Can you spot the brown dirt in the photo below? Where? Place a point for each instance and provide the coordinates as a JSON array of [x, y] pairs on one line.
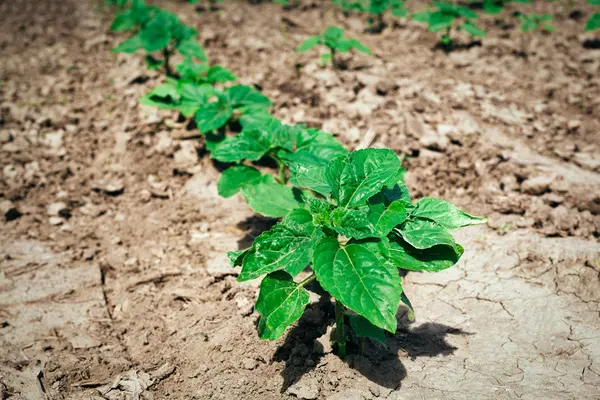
[[124, 291]]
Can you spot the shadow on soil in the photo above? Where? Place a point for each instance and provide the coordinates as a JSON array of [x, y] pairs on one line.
[[301, 351]]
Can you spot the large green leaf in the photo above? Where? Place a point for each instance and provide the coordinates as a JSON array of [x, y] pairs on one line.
[[157, 35], [233, 178], [287, 246], [313, 178], [320, 210], [363, 328], [353, 223], [364, 173], [249, 145], [213, 115], [191, 48], [271, 199], [280, 303], [434, 259], [243, 96], [193, 97], [445, 214], [423, 233], [385, 217], [255, 118], [356, 277], [318, 150]]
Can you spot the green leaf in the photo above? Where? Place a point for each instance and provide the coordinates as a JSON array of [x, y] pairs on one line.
[[356, 277], [434, 259], [123, 22], [188, 70], [422, 16], [320, 210], [213, 115], [156, 35], [220, 74], [130, 45], [194, 97], [309, 43], [593, 23], [237, 257], [594, 2], [355, 44], [363, 174], [445, 214], [465, 12], [423, 233], [191, 48], [242, 96], [255, 118], [353, 223], [333, 34], [439, 21], [163, 96], [319, 150], [280, 303], [233, 178], [384, 217], [249, 145], [472, 29], [326, 58], [288, 246], [363, 328], [271, 199], [313, 178], [406, 301], [152, 63]]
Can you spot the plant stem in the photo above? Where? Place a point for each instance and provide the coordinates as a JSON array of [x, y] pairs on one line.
[[339, 327], [167, 55], [307, 280], [333, 57], [282, 177]]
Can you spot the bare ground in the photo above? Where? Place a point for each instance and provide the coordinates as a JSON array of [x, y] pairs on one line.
[[123, 291]]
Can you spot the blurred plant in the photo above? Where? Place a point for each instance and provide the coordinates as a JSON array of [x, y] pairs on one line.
[[333, 38], [156, 30], [496, 6], [443, 18], [593, 22]]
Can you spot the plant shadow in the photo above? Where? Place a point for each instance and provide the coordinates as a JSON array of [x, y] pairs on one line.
[[380, 364], [448, 48], [254, 226]]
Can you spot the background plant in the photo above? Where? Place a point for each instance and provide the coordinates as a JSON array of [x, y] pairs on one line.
[[356, 236], [496, 6], [593, 22], [444, 17], [333, 38], [156, 30]]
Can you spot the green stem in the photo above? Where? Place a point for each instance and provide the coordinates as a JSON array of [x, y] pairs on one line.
[[167, 55], [282, 177], [339, 326], [307, 280], [333, 57]]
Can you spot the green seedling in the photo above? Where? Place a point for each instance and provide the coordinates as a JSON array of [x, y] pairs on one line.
[[532, 23], [593, 22], [348, 6], [288, 146], [377, 9], [356, 236], [157, 30], [333, 38], [496, 6], [212, 108], [444, 17]]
